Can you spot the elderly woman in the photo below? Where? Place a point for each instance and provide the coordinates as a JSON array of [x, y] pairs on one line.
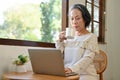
[[79, 52]]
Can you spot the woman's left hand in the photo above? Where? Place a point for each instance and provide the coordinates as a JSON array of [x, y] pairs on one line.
[[68, 70]]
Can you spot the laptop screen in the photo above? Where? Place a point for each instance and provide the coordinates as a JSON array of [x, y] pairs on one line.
[[47, 61]]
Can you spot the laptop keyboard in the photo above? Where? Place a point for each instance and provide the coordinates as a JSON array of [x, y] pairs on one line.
[[71, 74]]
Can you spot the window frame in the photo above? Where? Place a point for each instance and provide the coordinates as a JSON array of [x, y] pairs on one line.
[[15, 42], [101, 37]]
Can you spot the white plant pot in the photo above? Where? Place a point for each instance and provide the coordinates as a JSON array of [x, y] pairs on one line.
[[21, 68]]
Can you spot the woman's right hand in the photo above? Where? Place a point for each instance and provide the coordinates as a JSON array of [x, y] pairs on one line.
[[62, 36]]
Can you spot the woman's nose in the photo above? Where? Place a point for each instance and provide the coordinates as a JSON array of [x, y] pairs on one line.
[[74, 21]]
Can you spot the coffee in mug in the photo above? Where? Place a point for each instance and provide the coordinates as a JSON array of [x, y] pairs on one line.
[[69, 33]]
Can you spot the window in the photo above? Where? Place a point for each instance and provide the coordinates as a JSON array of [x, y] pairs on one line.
[[97, 25], [38, 19]]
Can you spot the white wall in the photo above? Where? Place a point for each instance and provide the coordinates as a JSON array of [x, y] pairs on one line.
[[71, 2], [112, 37], [7, 53], [112, 48]]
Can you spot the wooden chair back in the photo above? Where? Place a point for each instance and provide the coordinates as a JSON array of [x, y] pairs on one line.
[[100, 63]]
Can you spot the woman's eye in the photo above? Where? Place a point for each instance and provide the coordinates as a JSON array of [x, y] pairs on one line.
[[77, 18], [71, 18]]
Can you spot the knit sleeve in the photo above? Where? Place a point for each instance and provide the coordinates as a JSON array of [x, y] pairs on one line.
[[92, 44], [60, 45]]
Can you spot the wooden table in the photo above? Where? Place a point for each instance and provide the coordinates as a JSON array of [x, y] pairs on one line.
[[31, 76]]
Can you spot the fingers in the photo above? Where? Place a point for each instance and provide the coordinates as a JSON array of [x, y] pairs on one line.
[[62, 36], [68, 70]]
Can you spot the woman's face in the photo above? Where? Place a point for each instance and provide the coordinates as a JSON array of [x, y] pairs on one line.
[[77, 20]]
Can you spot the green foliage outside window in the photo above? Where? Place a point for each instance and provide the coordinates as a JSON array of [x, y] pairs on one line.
[[35, 22], [50, 19]]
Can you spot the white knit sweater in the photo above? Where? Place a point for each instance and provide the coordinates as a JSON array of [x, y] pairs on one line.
[[79, 53]]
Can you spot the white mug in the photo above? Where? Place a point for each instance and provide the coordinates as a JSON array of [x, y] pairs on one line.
[[69, 33]]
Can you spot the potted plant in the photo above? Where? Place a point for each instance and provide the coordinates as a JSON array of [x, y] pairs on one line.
[[20, 63]]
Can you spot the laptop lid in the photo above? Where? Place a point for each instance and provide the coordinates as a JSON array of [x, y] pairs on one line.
[[47, 61]]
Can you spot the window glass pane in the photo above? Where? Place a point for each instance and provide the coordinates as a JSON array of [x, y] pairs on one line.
[[96, 2], [35, 20], [89, 7], [96, 28], [96, 13]]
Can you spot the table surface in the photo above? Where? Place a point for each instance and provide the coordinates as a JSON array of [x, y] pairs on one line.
[[31, 76]]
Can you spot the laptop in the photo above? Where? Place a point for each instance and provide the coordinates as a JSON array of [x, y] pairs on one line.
[[47, 61]]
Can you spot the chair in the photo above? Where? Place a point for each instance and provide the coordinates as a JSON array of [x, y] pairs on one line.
[[100, 63]]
